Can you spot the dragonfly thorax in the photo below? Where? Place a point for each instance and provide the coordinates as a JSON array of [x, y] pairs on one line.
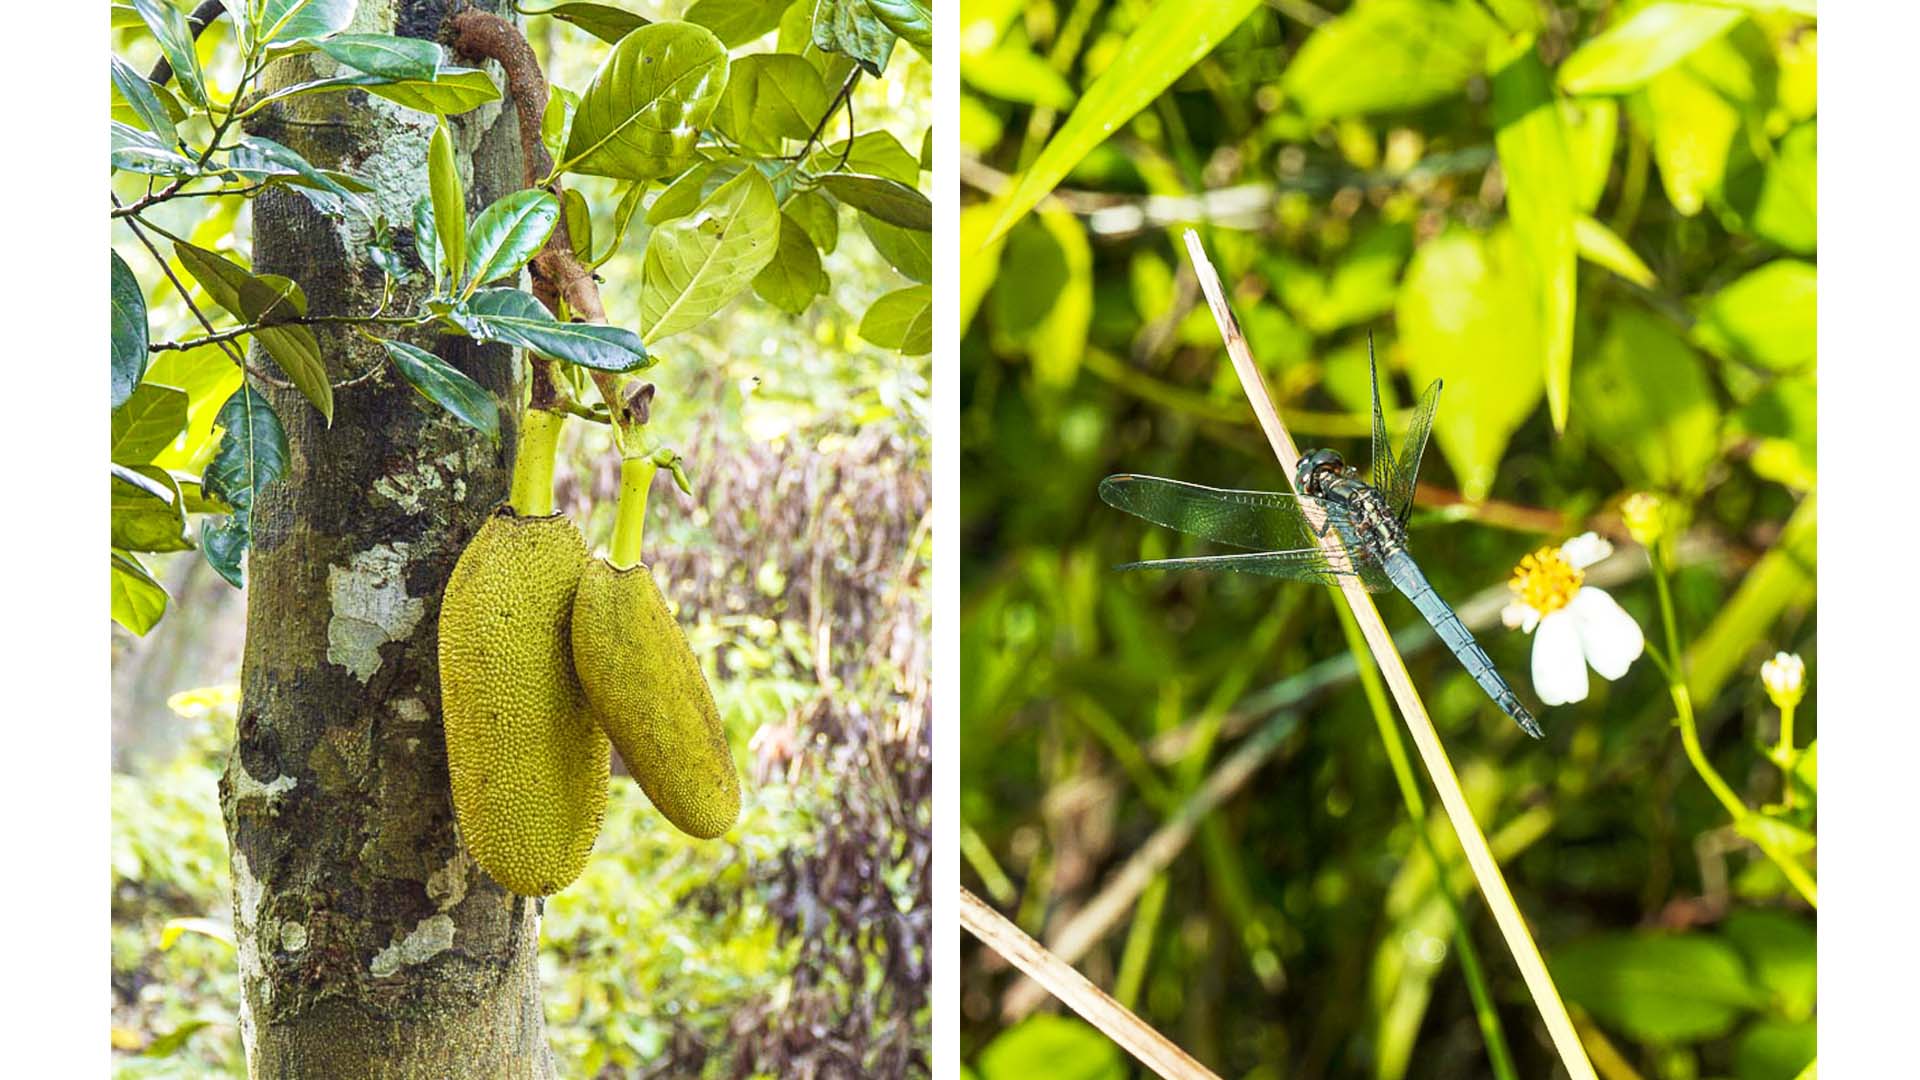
[[1317, 469]]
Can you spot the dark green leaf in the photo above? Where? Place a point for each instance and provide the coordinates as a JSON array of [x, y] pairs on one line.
[[909, 251], [643, 113], [252, 453], [145, 105], [1782, 952], [853, 29], [889, 200], [169, 28], [449, 203], [283, 22], [224, 543], [384, 55], [426, 241], [445, 385], [266, 300], [509, 232], [696, 264], [133, 150], [1659, 988], [911, 20], [603, 21], [146, 511], [794, 277], [901, 320], [128, 333], [261, 159], [516, 318], [1648, 403], [736, 22], [152, 417], [770, 97], [138, 600], [1775, 1050]]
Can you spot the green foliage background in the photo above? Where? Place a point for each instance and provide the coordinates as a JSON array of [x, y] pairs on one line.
[[1595, 221], [808, 445]]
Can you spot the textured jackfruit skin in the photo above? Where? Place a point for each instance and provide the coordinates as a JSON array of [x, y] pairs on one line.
[[529, 766], [650, 697]]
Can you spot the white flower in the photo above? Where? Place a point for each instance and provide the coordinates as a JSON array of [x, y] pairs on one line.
[[1785, 677], [1577, 625]]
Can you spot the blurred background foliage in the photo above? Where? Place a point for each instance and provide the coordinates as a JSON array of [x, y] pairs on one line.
[[1596, 221], [799, 569]]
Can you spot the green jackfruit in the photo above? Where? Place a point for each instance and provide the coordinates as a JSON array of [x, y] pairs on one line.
[[650, 697], [528, 765]]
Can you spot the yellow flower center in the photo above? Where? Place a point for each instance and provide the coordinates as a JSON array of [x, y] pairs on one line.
[[1545, 581]]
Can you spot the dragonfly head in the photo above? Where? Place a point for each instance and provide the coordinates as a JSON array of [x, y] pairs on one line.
[[1317, 465]]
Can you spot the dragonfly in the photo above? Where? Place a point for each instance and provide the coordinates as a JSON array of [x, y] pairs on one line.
[[1339, 528]]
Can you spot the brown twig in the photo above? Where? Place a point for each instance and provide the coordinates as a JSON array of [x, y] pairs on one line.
[[561, 281]]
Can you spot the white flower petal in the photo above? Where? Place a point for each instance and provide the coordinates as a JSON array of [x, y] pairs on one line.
[[1559, 668], [1609, 637], [1519, 616], [1584, 550]]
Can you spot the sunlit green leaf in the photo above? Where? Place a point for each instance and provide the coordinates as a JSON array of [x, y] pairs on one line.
[[260, 159], [696, 264], [508, 233], [449, 203], [266, 299], [1013, 73], [138, 600], [1603, 247], [736, 22], [1646, 401], [642, 114], [1060, 1047], [577, 217], [604, 21], [1657, 987], [794, 277], [146, 511], [1388, 55], [384, 55], [1056, 344], [128, 331], [1777, 198], [1170, 39], [681, 197], [909, 251], [911, 20], [446, 386], [1693, 127], [874, 153], [901, 320], [1540, 194], [145, 105], [818, 216], [1469, 314], [1765, 317], [853, 28], [283, 22], [450, 92], [152, 417], [770, 97], [1648, 42]]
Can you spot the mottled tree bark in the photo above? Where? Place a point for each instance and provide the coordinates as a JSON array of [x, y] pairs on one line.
[[369, 944]]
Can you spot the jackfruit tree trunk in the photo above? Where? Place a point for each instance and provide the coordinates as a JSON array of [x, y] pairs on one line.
[[369, 944]]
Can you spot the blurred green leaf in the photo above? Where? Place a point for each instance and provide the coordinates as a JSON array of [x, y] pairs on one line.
[[1784, 576], [696, 265], [138, 600], [1693, 128], [1766, 317], [1361, 286], [1657, 987], [1056, 1047], [1646, 401], [1647, 43], [1468, 314], [1540, 201], [1777, 199], [980, 257], [1389, 55], [1775, 1050], [1012, 72], [1170, 39], [1592, 126], [641, 116], [1783, 953], [127, 331], [1603, 247]]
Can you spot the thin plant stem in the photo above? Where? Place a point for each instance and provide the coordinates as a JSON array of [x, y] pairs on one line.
[[1486, 870], [1499, 1056], [1133, 1034], [1785, 755], [1745, 821]]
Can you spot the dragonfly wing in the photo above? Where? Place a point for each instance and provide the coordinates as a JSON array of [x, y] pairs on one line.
[[1305, 564], [1407, 466], [1383, 472], [1259, 521]]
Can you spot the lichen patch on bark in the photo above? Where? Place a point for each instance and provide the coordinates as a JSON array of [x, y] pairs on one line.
[[370, 608], [433, 936], [246, 788]]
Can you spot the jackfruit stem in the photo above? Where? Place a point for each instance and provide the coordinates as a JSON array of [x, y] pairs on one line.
[[630, 517], [531, 494]]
